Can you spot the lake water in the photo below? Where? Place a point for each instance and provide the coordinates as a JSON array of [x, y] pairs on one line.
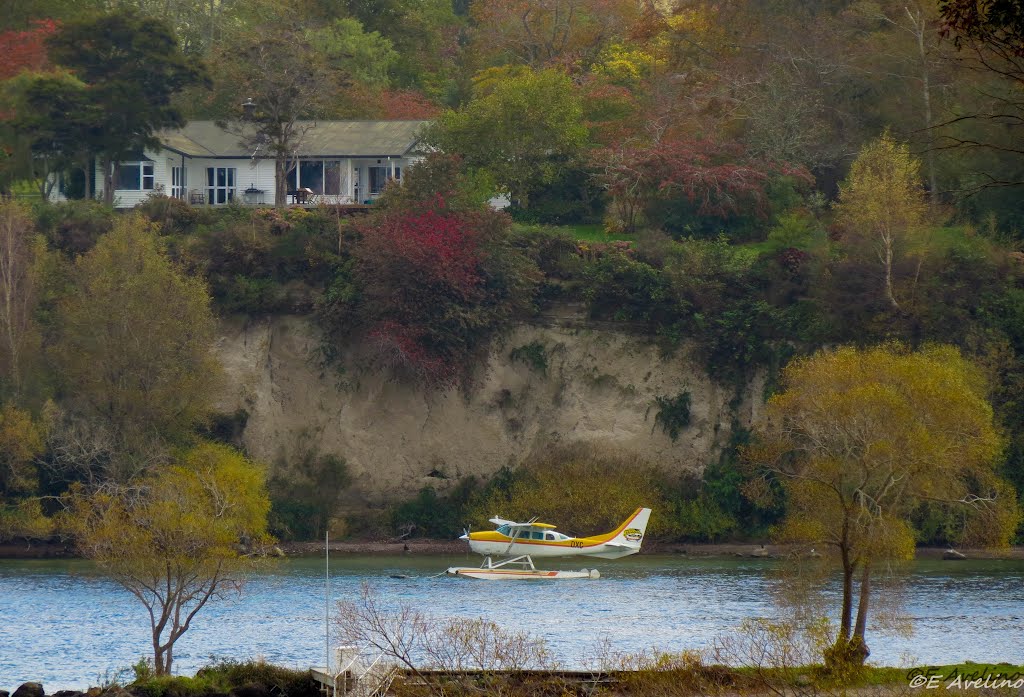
[[65, 626]]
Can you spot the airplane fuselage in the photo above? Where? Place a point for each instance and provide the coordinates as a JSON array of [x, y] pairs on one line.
[[540, 540], [574, 546]]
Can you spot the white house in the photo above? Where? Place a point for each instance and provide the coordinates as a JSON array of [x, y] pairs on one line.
[[204, 164]]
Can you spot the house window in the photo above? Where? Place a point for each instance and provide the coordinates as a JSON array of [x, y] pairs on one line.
[[378, 178], [179, 182], [319, 176], [220, 184], [332, 178], [311, 175], [135, 176]]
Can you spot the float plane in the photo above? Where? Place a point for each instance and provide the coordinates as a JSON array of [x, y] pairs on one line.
[[520, 542]]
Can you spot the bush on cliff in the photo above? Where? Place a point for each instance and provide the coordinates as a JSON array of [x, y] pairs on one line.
[[431, 281], [226, 676], [584, 488]]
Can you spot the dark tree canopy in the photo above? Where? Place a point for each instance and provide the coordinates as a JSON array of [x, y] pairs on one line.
[[994, 21], [132, 67]]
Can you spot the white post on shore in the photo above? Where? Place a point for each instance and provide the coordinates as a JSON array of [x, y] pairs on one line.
[[327, 600]]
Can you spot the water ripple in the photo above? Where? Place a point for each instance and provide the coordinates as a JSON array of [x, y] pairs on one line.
[[64, 625]]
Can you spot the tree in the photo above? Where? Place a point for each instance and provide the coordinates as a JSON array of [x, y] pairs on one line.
[[365, 56], [920, 63], [990, 34], [479, 651], [288, 81], [25, 50], [717, 179], [425, 34], [21, 442], [523, 130], [436, 284], [542, 33], [51, 113], [18, 290], [134, 348], [434, 274], [173, 539], [132, 67], [859, 439], [882, 201], [23, 57]]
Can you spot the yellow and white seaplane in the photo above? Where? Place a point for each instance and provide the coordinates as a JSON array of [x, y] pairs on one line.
[[518, 543]]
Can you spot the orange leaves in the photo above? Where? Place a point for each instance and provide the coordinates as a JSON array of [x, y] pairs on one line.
[[25, 50]]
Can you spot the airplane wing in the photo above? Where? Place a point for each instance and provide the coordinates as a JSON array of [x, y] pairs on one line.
[[518, 526]]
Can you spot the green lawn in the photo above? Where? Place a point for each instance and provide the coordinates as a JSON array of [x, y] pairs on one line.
[[592, 233]]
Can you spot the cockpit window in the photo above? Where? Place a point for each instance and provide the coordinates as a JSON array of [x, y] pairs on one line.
[[503, 530], [549, 536]]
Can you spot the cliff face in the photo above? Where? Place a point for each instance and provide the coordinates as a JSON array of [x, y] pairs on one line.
[[598, 385]]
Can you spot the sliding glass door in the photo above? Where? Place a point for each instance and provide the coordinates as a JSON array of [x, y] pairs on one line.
[[220, 184]]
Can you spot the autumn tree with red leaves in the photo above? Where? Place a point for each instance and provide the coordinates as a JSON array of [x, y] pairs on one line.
[[435, 284], [718, 179], [431, 277], [22, 53], [396, 104], [25, 50]]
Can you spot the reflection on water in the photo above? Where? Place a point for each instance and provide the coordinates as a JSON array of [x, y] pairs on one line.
[[65, 626]]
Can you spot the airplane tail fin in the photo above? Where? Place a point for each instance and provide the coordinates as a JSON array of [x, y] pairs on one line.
[[627, 538], [631, 533]]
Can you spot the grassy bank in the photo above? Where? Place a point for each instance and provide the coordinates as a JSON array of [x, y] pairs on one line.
[[667, 675]]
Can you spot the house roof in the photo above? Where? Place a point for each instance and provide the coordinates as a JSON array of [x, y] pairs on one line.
[[321, 139]]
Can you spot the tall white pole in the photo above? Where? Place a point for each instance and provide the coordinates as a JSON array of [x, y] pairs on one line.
[[327, 600]]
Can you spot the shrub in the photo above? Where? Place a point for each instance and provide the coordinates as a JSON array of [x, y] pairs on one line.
[[442, 175], [573, 197], [224, 676], [434, 285], [173, 215], [532, 354], [797, 230], [585, 487], [73, 227], [673, 414], [619, 287], [250, 256], [555, 252], [305, 494], [430, 514]]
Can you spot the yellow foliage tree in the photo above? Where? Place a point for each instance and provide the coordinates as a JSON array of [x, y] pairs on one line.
[[626, 64], [859, 438], [21, 441], [883, 201], [175, 539], [135, 344]]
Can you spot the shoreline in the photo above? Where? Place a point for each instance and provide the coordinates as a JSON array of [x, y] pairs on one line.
[[432, 547]]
